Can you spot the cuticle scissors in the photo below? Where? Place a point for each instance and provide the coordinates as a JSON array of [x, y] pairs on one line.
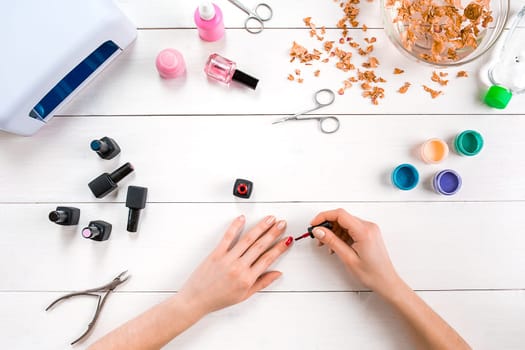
[[107, 289], [333, 122], [255, 16]]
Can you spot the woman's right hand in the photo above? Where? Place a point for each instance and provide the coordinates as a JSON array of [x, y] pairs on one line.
[[359, 245]]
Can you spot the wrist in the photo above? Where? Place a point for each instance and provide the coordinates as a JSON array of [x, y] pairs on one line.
[[398, 293], [186, 307], [395, 290]]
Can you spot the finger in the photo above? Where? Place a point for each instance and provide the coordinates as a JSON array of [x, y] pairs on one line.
[[231, 233], [264, 281], [353, 224], [268, 258], [249, 238], [263, 243], [343, 251]]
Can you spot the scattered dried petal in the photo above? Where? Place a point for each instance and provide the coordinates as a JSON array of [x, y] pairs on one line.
[[433, 93], [437, 79], [373, 62], [403, 89]]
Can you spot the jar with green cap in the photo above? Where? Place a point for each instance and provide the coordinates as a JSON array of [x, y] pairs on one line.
[[468, 143], [507, 72]]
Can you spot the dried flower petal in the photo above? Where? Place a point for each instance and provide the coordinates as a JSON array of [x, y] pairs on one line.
[[433, 93], [437, 79], [403, 89]]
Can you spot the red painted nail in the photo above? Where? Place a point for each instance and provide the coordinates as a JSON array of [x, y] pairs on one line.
[[289, 241]]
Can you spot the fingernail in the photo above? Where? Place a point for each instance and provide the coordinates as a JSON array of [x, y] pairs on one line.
[[241, 218], [318, 233], [281, 225], [270, 219], [289, 241]]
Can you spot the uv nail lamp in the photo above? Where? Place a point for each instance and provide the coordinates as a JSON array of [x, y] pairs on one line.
[[50, 50]]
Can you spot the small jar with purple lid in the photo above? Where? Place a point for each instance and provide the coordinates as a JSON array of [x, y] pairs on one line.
[[447, 182]]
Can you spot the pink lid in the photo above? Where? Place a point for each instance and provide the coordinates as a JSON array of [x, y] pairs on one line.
[[170, 64], [86, 233]]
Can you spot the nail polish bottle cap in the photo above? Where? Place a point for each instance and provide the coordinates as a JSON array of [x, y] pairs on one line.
[[447, 182], [170, 64], [498, 97], [206, 10], [434, 151], [469, 143], [405, 177], [245, 79]]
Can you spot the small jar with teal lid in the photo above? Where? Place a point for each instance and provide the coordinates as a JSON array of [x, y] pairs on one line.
[[469, 143], [405, 177]]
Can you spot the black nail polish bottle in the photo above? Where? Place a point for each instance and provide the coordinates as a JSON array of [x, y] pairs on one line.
[[135, 201], [97, 230], [242, 188], [106, 147], [106, 183], [66, 216]]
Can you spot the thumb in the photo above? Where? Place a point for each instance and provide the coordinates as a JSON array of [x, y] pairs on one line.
[[343, 250], [264, 281]]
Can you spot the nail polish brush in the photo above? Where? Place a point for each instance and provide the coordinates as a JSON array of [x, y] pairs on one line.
[[310, 234]]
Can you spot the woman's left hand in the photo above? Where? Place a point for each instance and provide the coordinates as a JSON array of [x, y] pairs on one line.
[[234, 271]]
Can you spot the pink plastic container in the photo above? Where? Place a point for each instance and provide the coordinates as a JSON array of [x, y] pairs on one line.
[[170, 64], [209, 21]]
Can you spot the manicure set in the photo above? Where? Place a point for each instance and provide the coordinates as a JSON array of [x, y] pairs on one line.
[[99, 230]]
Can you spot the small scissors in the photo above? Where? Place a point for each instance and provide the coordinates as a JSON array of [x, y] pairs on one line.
[[322, 98], [255, 16], [107, 289]]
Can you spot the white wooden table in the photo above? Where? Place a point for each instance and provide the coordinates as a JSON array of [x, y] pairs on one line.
[[189, 139]]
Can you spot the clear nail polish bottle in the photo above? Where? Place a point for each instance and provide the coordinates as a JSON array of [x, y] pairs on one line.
[[223, 70]]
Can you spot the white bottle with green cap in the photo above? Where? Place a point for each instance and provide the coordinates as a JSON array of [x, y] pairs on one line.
[[507, 72]]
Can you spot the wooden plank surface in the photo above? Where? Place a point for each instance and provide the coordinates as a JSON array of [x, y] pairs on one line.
[[196, 159], [190, 138], [286, 14], [311, 321], [435, 246]]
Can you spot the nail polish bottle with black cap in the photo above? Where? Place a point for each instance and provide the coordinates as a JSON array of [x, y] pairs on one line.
[[106, 147], [223, 70], [135, 201], [66, 216], [97, 230], [106, 183], [242, 188]]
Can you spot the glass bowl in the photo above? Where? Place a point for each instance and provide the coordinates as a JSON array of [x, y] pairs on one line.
[[444, 33]]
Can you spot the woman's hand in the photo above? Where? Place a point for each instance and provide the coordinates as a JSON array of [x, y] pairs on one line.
[[359, 245], [235, 270]]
